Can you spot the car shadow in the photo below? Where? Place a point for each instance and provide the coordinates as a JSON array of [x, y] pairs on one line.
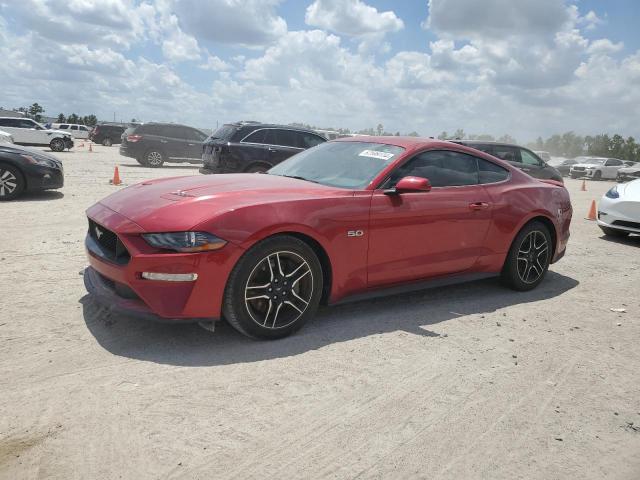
[[631, 240], [39, 196], [182, 165], [417, 313]]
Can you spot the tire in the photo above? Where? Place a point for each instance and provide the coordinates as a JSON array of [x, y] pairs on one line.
[[267, 296], [612, 232], [57, 145], [12, 183], [524, 269], [107, 142], [154, 159], [597, 175], [257, 168], [141, 161]]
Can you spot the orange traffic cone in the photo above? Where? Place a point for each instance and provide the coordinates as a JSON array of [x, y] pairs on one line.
[[592, 211], [90, 149], [584, 186], [116, 177]]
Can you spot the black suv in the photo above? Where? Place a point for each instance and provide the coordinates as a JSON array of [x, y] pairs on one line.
[[107, 135], [152, 144], [254, 147], [518, 156]]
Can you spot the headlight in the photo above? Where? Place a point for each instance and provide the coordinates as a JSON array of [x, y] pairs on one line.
[[613, 192], [590, 168], [47, 162], [184, 241]]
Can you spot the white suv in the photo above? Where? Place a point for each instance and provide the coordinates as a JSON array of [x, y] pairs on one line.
[[76, 130], [596, 167], [29, 132]]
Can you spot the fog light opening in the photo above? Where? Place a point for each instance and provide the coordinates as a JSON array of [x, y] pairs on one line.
[[170, 277]]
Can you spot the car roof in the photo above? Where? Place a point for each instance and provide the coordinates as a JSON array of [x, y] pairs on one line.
[[488, 142], [404, 142], [257, 125]]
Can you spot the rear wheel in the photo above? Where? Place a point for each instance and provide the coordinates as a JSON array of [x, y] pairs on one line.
[[154, 158], [107, 142], [274, 288], [613, 232], [57, 145], [528, 258], [12, 182]]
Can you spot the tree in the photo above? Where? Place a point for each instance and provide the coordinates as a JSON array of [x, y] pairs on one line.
[[459, 134], [506, 138], [61, 118], [73, 118], [90, 120], [379, 129], [443, 136], [35, 111], [413, 134]]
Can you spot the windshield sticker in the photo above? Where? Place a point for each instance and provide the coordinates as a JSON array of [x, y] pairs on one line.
[[376, 154]]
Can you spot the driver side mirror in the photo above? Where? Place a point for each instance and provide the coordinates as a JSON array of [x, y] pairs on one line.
[[410, 185]]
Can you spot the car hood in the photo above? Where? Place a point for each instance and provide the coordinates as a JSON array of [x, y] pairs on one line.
[[181, 203], [18, 149], [630, 190]]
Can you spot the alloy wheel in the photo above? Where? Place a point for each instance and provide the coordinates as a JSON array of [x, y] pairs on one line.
[[8, 183], [532, 257], [154, 158], [279, 290]]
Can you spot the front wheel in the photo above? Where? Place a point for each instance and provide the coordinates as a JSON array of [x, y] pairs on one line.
[[11, 182], [597, 175], [57, 145], [154, 159], [274, 288], [107, 142], [612, 232], [528, 258]]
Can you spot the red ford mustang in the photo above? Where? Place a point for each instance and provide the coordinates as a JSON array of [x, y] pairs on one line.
[[345, 219]]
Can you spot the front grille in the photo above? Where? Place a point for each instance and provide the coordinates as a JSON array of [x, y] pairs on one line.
[[110, 245], [624, 223], [579, 169]]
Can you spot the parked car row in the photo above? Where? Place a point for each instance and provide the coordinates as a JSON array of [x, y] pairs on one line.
[[26, 170]]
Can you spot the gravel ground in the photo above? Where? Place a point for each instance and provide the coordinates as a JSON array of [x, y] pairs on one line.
[[471, 381]]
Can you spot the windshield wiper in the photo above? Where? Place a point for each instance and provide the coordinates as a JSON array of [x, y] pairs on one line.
[[298, 177]]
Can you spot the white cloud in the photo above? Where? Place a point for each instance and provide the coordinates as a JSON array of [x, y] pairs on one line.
[[215, 64], [604, 46], [238, 22], [351, 17]]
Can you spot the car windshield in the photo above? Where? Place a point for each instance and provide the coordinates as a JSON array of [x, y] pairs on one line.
[[339, 164]]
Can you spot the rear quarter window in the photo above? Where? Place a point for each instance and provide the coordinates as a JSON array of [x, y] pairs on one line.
[[489, 172]]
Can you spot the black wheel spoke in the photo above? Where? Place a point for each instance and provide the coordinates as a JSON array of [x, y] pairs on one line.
[[532, 257], [279, 289]]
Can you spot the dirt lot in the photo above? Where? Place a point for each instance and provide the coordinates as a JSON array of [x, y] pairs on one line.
[[472, 381]]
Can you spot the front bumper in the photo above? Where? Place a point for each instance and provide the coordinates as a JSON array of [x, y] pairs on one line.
[[120, 285], [619, 214], [68, 143], [40, 177]]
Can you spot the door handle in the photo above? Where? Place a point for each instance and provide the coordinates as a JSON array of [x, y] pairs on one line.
[[478, 206], [272, 149], [164, 141]]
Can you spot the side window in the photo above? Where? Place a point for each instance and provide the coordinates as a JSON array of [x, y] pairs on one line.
[[259, 136], [510, 154], [26, 124], [490, 172], [529, 159], [308, 140], [442, 168], [270, 136], [63, 127], [5, 122], [74, 127], [612, 162], [286, 138]]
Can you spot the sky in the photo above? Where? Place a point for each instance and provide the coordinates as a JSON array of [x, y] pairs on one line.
[[527, 68]]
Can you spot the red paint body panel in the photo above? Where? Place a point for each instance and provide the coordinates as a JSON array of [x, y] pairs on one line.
[[407, 237]]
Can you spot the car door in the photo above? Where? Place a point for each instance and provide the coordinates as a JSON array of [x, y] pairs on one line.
[[32, 132], [426, 234], [533, 165], [10, 125], [611, 167], [195, 138], [281, 144]]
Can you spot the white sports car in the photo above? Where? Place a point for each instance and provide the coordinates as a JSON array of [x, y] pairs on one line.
[[619, 209]]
